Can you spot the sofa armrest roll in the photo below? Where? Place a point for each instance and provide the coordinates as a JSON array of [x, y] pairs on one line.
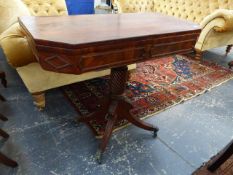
[[15, 46], [225, 25]]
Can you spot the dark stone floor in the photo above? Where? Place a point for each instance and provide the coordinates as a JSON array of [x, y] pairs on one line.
[[51, 143]]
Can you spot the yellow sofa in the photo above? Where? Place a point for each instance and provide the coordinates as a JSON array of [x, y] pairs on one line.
[[214, 16], [19, 54]]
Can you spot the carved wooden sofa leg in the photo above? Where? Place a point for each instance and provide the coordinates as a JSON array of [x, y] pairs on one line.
[[198, 54], [228, 49], [39, 100]]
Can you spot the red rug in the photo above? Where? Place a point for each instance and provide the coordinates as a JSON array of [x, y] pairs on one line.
[[153, 87]]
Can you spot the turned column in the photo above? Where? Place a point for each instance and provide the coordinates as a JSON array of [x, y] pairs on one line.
[[118, 79]]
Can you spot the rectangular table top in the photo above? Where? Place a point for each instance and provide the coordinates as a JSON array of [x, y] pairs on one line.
[[73, 31], [78, 44]]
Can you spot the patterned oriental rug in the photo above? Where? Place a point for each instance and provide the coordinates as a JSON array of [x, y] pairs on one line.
[[153, 87]]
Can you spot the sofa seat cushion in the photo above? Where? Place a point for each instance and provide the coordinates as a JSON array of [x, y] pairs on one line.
[[37, 79], [10, 10]]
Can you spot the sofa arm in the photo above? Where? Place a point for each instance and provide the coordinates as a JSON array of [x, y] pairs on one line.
[[15, 46], [225, 25]]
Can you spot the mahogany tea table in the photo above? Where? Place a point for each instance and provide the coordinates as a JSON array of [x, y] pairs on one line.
[[79, 44]]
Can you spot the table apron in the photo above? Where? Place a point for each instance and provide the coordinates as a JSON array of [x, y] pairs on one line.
[[105, 56]]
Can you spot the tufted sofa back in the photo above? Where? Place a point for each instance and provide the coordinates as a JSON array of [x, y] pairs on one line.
[[225, 4], [192, 10], [46, 7], [131, 6]]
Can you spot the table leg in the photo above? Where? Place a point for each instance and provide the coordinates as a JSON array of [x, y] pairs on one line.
[[112, 118], [6, 161], [102, 111], [115, 108], [126, 107]]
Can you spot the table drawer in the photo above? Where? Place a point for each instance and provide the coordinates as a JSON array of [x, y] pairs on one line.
[[136, 52], [105, 56], [110, 59]]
